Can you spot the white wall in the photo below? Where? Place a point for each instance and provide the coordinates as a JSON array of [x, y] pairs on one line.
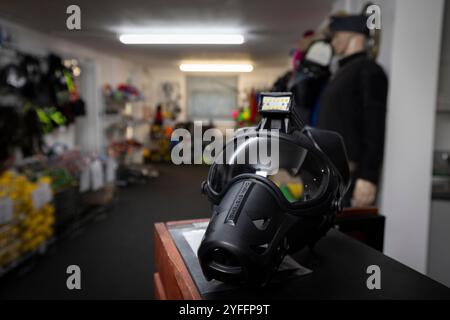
[[410, 129]]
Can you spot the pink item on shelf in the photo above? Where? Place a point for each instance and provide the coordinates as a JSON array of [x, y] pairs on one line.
[[297, 57]]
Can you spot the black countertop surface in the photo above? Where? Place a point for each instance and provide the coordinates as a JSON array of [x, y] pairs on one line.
[[339, 265]]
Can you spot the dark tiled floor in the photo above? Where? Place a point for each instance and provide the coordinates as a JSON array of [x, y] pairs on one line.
[[114, 252]]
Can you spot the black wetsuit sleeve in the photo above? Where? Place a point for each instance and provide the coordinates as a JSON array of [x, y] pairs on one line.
[[374, 88]]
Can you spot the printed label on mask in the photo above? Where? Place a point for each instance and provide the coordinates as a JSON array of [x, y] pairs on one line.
[[235, 209]]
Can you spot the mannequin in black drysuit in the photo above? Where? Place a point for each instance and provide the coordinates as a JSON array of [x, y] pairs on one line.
[[354, 104]]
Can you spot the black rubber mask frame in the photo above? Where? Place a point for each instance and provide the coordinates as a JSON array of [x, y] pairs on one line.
[[215, 196]]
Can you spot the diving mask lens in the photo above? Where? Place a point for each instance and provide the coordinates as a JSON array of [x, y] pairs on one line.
[[299, 174]]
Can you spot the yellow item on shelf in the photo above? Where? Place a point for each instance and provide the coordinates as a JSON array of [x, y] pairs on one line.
[[30, 226]]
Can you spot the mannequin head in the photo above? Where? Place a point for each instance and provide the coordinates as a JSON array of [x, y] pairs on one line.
[[346, 42]]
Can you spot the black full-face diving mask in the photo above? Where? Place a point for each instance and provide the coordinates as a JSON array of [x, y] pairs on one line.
[[263, 210]]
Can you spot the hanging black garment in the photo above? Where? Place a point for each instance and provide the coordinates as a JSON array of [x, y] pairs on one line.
[[354, 105], [310, 78]]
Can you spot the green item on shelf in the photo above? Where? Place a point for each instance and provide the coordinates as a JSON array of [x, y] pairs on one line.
[[61, 179], [57, 116], [46, 122], [50, 118], [69, 80]]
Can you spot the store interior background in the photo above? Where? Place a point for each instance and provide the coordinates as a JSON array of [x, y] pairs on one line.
[[415, 53]]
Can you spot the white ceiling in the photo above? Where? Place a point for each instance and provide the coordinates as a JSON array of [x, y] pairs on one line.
[[271, 27]]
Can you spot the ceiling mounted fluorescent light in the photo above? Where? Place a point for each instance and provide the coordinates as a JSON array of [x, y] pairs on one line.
[[181, 39], [215, 67]]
